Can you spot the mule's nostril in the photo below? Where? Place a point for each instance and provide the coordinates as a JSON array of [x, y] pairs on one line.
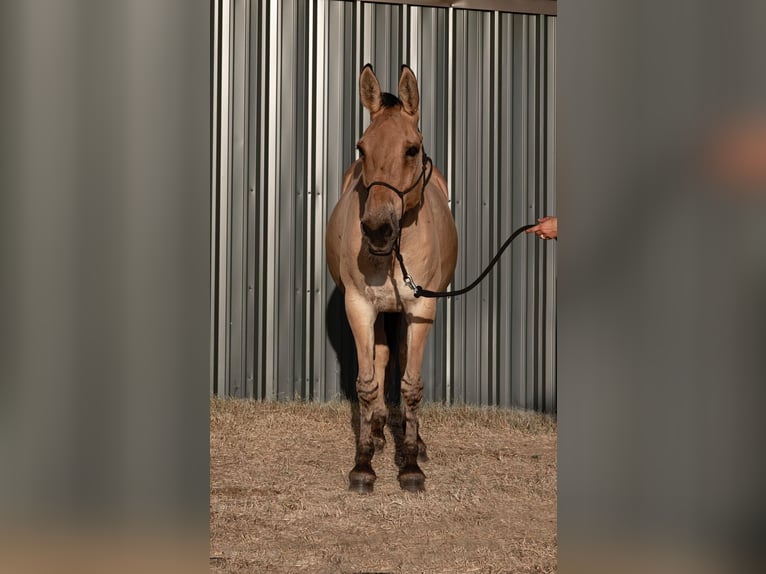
[[380, 234]]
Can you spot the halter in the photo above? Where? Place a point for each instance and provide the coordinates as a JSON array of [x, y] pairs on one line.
[[408, 279], [401, 194]]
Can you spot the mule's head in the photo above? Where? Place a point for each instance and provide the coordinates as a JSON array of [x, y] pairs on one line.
[[391, 150]]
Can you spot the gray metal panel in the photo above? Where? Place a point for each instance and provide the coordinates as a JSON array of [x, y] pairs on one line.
[[549, 380], [237, 199], [487, 93]]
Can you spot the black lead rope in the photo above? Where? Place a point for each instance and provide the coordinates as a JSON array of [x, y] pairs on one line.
[[420, 292]]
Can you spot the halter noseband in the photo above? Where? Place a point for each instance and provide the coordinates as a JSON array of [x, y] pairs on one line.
[[400, 193]]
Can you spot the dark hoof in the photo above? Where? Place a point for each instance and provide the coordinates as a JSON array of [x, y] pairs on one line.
[[412, 480], [361, 480], [379, 443]]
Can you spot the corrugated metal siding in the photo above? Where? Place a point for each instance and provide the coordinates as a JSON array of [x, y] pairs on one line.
[[287, 118]]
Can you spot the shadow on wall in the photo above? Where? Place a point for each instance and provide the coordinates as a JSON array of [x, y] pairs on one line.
[[342, 341]]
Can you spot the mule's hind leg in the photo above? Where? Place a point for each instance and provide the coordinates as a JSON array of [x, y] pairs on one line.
[[361, 318], [419, 322]]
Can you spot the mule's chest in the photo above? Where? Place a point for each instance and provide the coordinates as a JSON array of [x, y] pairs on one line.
[[380, 282], [385, 296]]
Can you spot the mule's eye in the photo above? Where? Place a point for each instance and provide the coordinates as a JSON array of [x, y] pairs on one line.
[[412, 151], [360, 150]]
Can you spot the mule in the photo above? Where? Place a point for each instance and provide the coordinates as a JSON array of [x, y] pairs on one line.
[[393, 201]]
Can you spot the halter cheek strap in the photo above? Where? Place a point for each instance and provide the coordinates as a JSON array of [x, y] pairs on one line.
[[400, 193]]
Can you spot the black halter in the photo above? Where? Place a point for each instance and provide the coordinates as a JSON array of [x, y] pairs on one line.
[[401, 194], [408, 279]]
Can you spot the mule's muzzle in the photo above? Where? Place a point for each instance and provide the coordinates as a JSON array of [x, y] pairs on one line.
[[380, 236]]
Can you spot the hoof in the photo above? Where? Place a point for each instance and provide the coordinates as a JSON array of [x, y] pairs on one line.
[[379, 443], [361, 480], [412, 480]]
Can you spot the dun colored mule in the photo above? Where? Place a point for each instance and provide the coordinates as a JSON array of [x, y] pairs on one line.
[[393, 201]]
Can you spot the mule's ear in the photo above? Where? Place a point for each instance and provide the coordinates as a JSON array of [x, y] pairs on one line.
[[369, 90], [408, 90]]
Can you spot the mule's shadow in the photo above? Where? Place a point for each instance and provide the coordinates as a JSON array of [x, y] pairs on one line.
[[342, 341]]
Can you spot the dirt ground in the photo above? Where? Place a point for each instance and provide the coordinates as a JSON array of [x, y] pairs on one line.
[[279, 499]]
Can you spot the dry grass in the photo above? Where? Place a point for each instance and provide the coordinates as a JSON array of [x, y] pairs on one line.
[[278, 499]]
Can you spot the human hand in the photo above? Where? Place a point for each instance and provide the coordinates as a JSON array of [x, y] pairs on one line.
[[546, 228]]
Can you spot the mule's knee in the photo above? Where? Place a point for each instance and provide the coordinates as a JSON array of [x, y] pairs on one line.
[[412, 391], [367, 390]]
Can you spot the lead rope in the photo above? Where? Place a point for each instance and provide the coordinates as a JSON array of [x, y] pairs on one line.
[[420, 292]]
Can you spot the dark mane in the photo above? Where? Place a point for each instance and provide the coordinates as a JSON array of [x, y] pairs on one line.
[[390, 100]]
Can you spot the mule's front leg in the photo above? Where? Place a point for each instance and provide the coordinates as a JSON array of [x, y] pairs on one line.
[[379, 409], [361, 317], [419, 325]]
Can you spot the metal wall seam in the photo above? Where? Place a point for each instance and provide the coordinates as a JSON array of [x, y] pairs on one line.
[[272, 195], [488, 342], [533, 247], [458, 124], [250, 172], [319, 332], [236, 166], [332, 135], [496, 334], [310, 199], [287, 184], [449, 175], [520, 210], [504, 156], [263, 28], [254, 174], [415, 36], [539, 376], [240, 319], [550, 376], [223, 193], [215, 126]]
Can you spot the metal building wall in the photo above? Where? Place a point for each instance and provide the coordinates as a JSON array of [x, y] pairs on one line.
[[286, 118]]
